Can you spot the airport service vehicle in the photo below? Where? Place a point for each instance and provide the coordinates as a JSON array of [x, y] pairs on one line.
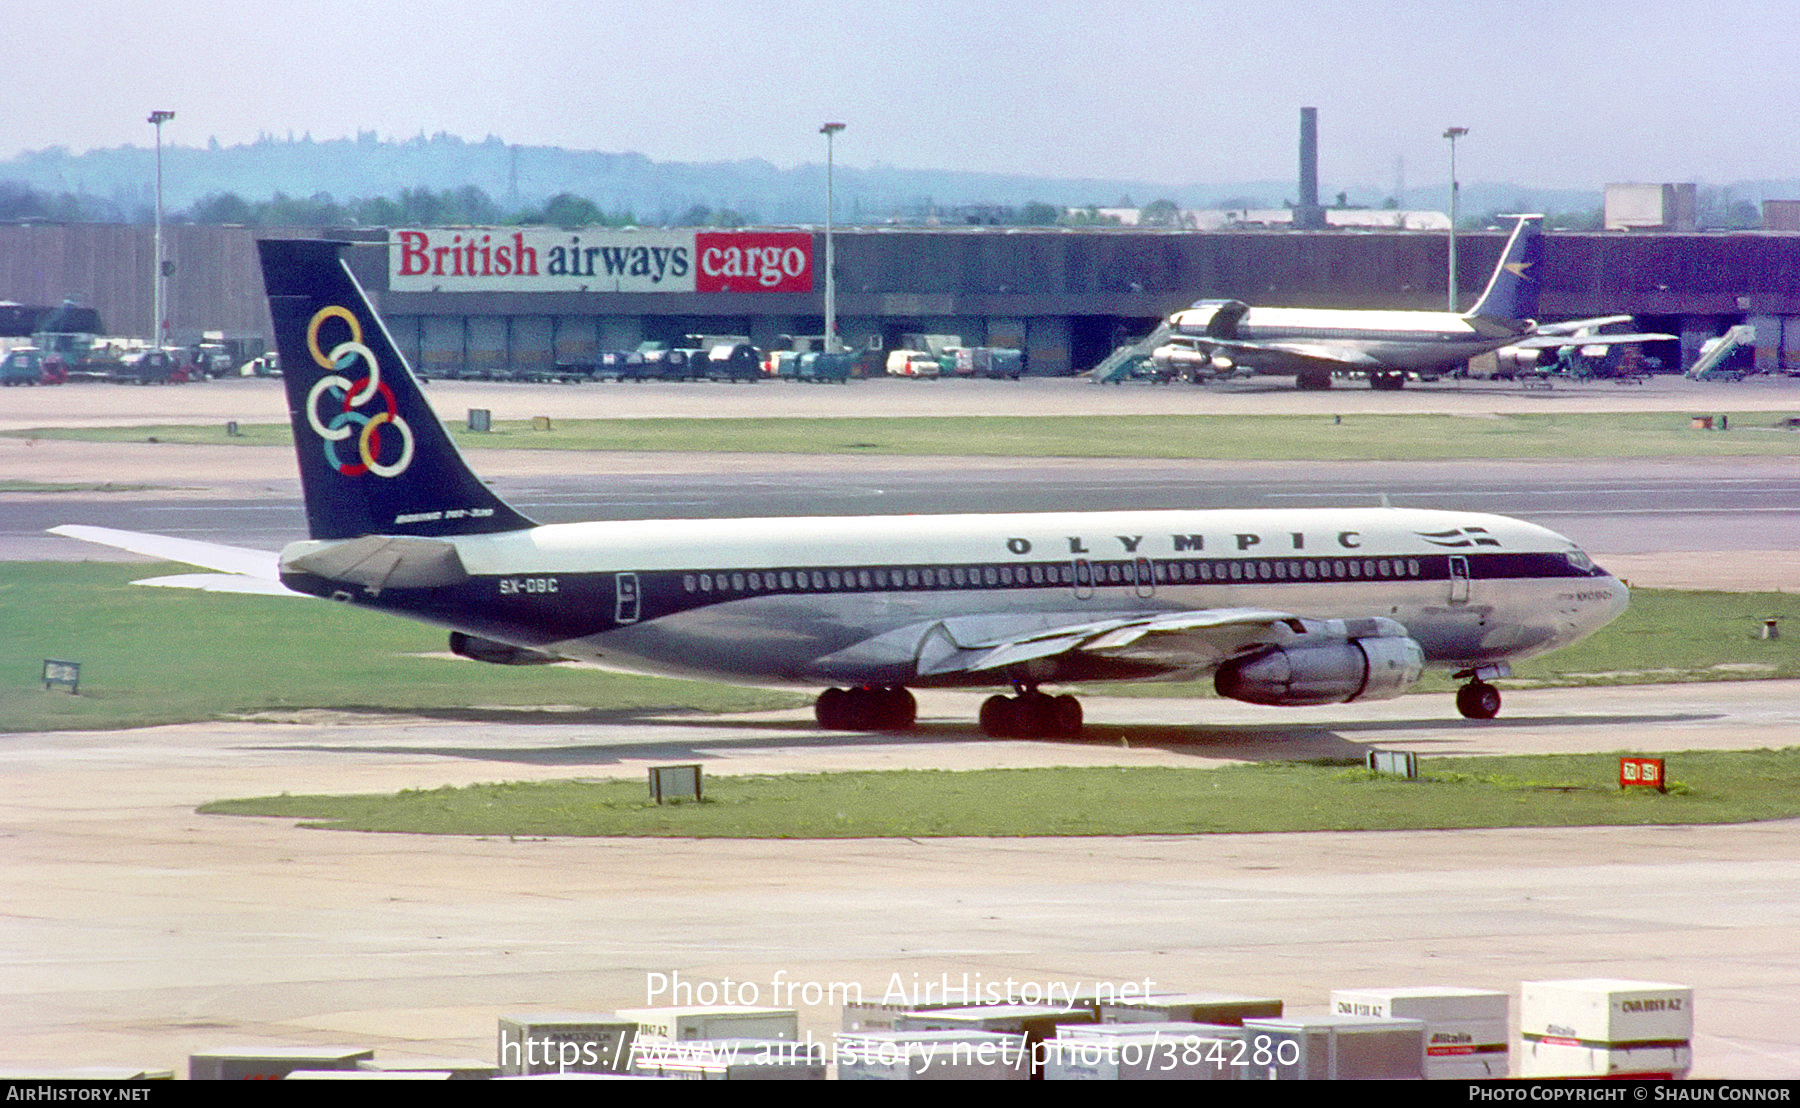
[[989, 361], [1281, 607], [913, 363]]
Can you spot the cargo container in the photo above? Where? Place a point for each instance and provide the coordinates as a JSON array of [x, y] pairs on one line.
[[719, 1022], [1466, 1032], [942, 1055], [731, 1060], [1213, 1008], [1162, 1051], [1605, 1027], [1335, 1048], [565, 1042]]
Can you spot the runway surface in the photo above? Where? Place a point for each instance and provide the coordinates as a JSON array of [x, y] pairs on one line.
[[137, 932]]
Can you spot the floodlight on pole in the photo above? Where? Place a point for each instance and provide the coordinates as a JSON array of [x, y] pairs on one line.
[[830, 130], [1453, 134], [158, 326]]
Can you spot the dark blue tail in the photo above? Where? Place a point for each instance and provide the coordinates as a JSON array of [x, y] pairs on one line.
[[374, 459], [1512, 292]]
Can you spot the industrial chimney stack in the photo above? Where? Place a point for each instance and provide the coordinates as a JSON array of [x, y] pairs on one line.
[[1308, 216]]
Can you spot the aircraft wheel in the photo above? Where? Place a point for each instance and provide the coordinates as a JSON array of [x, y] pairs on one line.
[[866, 709], [1313, 382], [1478, 700], [829, 709], [896, 708], [1065, 717], [1031, 715], [1388, 382], [998, 720]]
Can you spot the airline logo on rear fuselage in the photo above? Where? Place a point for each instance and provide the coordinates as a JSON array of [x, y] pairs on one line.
[[346, 399]]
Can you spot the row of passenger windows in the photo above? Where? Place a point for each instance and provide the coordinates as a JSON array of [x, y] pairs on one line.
[[1364, 333], [1143, 571]]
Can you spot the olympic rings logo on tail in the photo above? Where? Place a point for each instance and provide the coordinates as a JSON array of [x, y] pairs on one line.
[[344, 394]]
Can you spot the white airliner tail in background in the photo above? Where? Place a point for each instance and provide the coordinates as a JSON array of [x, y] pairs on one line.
[[1282, 607]]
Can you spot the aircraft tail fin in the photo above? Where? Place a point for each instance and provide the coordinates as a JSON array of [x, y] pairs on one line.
[[1512, 292], [374, 458]]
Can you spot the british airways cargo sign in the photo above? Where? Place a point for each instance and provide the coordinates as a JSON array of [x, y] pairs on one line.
[[503, 259]]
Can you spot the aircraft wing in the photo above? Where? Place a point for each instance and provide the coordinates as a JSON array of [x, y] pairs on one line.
[[1542, 341], [1571, 326], [1190, 643], [240, 569], [1320, 353]]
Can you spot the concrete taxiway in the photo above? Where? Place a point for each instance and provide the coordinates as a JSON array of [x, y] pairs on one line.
[[138, 932]]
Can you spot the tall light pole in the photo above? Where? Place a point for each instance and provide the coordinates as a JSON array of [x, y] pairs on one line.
[[157, 328], [1453, 134], [830, 131]]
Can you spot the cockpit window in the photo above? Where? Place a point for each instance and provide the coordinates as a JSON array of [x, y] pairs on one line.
[[1580, 561]]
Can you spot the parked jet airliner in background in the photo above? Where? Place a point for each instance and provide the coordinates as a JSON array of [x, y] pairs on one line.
[[1278, 607], [1220, 338]]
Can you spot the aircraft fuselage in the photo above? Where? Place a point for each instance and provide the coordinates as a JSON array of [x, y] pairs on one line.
[[854, 600]]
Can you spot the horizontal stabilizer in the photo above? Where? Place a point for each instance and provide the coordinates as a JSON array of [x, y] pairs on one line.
[[261, 564], [222, 582]]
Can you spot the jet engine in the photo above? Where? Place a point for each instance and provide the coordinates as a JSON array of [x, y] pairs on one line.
[[497, 653], [1515, 360], [1183, 357], [1375, 668]]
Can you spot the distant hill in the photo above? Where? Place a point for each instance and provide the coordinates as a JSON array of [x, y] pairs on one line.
[[516, 176]]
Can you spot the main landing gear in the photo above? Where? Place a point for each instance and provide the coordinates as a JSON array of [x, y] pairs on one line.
[[1031, 715], [866, 709], [1478, 700]]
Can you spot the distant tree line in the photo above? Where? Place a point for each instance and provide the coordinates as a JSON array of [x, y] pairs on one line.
[[471, 206], [467, 206]]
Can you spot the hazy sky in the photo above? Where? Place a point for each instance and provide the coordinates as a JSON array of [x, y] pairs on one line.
[[1574, 93]]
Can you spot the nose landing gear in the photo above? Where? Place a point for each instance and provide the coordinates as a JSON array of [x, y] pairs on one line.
[[1478, 700]]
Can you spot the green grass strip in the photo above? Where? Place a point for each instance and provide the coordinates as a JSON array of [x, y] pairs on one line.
[[1546, 791], [1243, 437], [153, 656]]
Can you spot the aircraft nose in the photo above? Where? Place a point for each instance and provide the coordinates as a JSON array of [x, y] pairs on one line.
[[1617, 600]]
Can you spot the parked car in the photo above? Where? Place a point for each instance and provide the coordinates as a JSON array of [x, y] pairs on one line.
[[29, 366], [733, 362], [150, 367]]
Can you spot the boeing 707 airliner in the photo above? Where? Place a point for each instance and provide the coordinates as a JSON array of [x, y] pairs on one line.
[[1216, 339], [1276, 607]]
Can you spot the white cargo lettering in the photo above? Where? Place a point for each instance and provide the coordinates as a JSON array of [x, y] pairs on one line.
[[515, 586], [766, 265]]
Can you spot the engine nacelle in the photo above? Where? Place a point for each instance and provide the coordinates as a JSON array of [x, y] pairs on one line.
[[1375, 668], [1514, 360], [497, 653], [1184, 359]]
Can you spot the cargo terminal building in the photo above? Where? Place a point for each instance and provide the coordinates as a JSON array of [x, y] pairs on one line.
[[505, 300]]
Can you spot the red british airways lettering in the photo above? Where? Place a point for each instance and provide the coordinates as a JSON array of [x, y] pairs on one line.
[[465, 256], [753, 261]]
